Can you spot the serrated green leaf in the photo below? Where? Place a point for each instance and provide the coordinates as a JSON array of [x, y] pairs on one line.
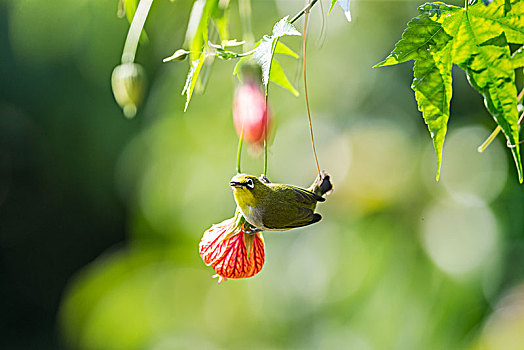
[[476, 39], [284, 50], [192, 77], [432, 75], [422, 36], [279, 77], [490, 71], [507, 6], [518, 58], [480, 47]]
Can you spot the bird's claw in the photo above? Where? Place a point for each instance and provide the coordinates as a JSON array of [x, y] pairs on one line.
[[252, 230], [264, 179]]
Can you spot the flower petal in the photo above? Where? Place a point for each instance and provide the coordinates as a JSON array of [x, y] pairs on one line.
[[236, 263], [231, 251]]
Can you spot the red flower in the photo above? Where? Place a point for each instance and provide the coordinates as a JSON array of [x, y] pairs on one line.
[[250, 112], [231, 251]]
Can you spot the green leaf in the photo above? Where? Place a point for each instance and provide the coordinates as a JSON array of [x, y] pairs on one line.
[[333, 2], [283, 49], [432, 78], [476, 39], [481, 49], [197, 39], [279, 77], [507, 6], [518, 58], [220, 17], [263, 54], [198, 26], [192, 78]]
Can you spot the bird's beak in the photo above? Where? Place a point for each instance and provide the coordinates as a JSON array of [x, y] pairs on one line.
[[235, 184]]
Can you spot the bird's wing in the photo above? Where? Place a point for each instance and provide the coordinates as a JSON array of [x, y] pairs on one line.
[[306, 196], [302, 217]]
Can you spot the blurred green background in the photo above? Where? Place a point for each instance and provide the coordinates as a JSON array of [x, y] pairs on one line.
[[100, 216]]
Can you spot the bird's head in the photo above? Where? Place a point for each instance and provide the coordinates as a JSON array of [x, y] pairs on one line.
[[247, 189]]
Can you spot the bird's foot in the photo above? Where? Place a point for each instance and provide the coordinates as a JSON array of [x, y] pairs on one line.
[[252, 230], [264, 179]]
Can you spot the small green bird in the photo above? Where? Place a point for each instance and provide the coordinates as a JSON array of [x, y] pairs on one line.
[[277, 207]]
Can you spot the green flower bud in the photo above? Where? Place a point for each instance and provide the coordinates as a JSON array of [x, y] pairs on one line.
[[128, 82], [179, 55]]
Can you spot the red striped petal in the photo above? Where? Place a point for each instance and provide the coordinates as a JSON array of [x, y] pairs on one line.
[[223, 247]]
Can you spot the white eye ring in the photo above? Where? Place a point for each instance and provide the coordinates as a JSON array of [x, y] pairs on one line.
[[250, 183]]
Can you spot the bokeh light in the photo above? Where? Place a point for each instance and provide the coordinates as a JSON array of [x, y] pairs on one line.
[[460, 239]]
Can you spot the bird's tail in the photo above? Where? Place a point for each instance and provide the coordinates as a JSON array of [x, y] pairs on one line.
[[322, 185]]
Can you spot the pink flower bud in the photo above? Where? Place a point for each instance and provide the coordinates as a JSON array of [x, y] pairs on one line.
[[231, 251], [250, 113]]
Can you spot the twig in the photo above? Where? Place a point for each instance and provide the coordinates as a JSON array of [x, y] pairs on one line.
[[303, 11]]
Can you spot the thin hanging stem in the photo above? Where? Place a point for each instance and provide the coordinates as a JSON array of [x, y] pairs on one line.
[[135, 29], [267, 94], [304, 11], [305, 91], [495, 132], [265, 133], [239, 150]]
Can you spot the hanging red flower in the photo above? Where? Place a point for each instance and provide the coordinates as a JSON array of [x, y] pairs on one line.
[[250, 112], [231, 250]]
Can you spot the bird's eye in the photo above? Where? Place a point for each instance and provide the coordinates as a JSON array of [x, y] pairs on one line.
[[250, 183]]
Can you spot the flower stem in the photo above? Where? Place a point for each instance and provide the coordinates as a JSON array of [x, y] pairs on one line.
[[135, 29], [305, 92], [239, 150], [265, 133], [305, 11], [495, 132]]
